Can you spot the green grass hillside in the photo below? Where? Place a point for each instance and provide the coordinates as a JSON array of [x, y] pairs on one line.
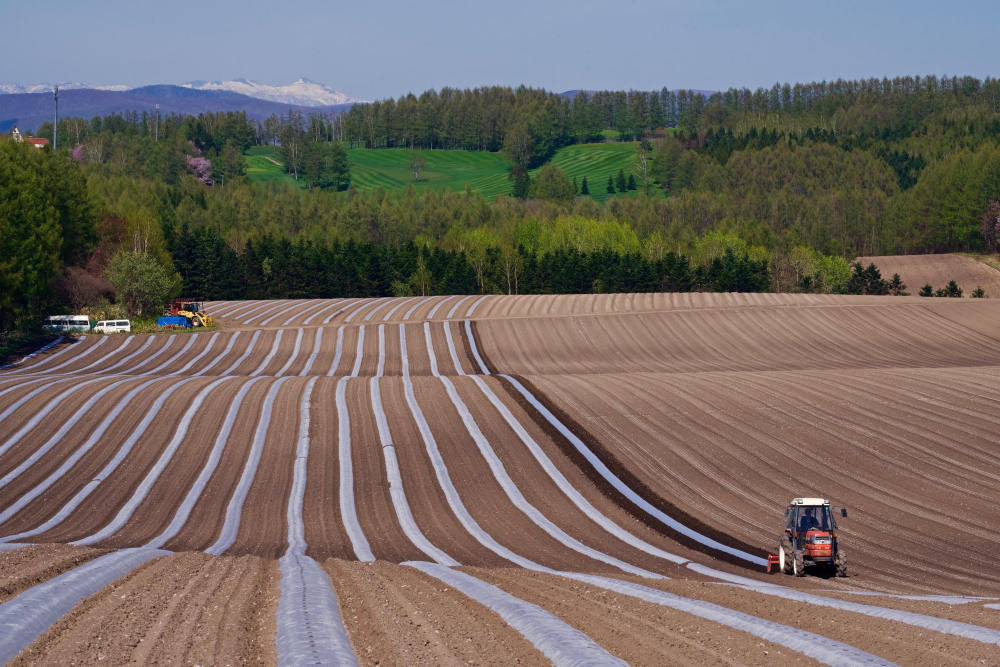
[[264, 166], [484, 172]]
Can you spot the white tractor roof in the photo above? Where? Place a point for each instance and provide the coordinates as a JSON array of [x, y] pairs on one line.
[[810, 501]]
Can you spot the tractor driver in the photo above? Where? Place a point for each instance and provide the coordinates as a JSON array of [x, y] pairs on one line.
[[808, 519]]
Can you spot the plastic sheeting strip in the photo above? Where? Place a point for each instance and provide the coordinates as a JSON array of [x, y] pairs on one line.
[[94, 438], [340, 349], [234, 511], [825, 650], [201, 355], [270, 355], [518, 499], [396, 491], [399, 305], [472, 308], [310, 629], [414, 307], [943, 599], [561, 643], [438, 305], [623, 488], [26, 617], [41, 350], [568, 489], [214, 457], [317, 346], [956, 628], [219, 357], [64, 428], [295, 353], [125, 513], [451, 313], [359, 353], [348, 513], [123, 451], [475, 348], [451, 348], [246, 353]]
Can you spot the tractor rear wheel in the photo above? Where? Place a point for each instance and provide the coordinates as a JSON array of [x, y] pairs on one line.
[[799, 564], [785, 555], [841, 563]]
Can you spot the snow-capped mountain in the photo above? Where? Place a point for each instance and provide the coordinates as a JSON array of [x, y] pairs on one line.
[[15, 88], [302, 92]]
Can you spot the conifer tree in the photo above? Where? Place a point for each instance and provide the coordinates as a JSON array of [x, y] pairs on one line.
[[620, 180], [926, 290], [584, 189], [631, 182], [611, 185]]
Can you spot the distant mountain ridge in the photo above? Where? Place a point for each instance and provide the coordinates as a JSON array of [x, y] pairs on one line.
[[20, 88], [29, 110], [302, 92]]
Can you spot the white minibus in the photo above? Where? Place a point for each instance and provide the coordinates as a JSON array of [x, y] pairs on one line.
[[67, 323]]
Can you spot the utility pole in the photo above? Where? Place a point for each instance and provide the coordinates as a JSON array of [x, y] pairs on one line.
[[55, 127], [156, 124]]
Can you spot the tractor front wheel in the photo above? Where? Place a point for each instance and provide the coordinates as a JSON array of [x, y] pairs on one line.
[[785, 555], [799, 564], [841, 563]]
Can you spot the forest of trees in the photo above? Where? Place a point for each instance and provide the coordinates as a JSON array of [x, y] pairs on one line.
[[776, 188]]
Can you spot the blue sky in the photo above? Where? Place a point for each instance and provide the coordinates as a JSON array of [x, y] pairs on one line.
[[377, 48]]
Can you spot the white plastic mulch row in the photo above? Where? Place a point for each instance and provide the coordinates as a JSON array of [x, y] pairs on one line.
[[32, 355], [25, 617], [234, 511], [93, 439], [559, 642], [310, 629], [623, 488], [396, 491], [825, 650], [113, 464], [348, 513], [140, 493], [214, 457], [956, 628]]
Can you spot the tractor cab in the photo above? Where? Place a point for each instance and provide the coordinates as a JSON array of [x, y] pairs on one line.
[[810, 538]]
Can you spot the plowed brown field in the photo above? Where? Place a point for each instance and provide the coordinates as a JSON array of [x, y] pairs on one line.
[[601, 477], [937, 270]]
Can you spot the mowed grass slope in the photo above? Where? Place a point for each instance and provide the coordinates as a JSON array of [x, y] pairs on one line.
[[483, 172]]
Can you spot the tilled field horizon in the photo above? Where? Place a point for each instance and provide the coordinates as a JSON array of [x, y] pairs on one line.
[[570, 480]]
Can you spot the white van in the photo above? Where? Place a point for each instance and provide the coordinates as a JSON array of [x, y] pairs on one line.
[[67, 323], [113, 326]]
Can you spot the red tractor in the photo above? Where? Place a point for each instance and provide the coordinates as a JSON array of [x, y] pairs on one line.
[[810, 538]]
